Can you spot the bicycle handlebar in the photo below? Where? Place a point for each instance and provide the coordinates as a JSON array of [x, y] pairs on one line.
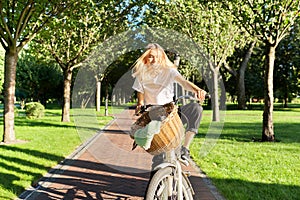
[[189, 97]]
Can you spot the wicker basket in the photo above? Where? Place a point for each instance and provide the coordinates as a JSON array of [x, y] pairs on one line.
[[171, 130]]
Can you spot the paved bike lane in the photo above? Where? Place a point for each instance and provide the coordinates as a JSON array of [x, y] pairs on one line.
[[105, 167]]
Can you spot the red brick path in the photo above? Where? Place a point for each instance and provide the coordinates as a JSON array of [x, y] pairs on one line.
[[106, 168]]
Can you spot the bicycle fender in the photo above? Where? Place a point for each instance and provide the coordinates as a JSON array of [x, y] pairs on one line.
[[189, 183], [163, 165]]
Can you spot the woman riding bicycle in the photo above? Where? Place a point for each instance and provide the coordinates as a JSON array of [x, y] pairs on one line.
[[155, 76]]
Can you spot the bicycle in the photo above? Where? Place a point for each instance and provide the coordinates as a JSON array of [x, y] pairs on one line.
[[170, 182]]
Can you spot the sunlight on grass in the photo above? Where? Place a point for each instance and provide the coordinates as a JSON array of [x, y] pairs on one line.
[[47, 141], [243, 169], [239, 167]]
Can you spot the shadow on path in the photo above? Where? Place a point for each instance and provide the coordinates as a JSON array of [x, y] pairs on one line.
[[90, 180]]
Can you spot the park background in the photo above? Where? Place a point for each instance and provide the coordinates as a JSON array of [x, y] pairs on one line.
[[254, 48]]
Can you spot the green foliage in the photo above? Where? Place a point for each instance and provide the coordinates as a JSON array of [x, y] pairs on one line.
[[189, 71], [114, 72], [73, 35], [23, 19], [254, 75], [34, 110], [267, 20], [78, 30], [287, 65], [206, 23], [39, 80], [210, 26]]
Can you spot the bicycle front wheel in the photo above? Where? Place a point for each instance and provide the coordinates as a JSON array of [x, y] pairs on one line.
[[163, 186]]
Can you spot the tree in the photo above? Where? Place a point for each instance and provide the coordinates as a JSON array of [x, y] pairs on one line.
[[254, 75], [75, 33], [115, 71], [208, 25], [239, 74], [20, 22], [2, 54], [269, 21], [38, 80], [288, 57]]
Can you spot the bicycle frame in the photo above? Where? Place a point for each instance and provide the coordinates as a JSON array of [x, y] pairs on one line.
[[172, 160], [169, 179]]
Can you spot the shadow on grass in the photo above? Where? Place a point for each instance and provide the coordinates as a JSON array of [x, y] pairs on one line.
[[51, 113], [247, 132], [39, 123], [17, 165], [7, 182], [31, 152], [241, 190], [260, 106]]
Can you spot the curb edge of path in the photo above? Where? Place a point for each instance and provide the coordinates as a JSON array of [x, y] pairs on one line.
[[212, 188], [53, 173], [42, 182]]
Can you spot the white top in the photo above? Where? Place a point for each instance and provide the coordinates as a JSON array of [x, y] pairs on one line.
[[159, 89]]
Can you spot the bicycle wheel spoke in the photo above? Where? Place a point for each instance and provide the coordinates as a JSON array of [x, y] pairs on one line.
[[164, 186], [161, 188], [161, 192]]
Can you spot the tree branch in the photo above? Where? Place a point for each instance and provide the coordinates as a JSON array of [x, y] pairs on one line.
[[23, 20], [3, 44], [229, 69], [58, 8], [5, 28]]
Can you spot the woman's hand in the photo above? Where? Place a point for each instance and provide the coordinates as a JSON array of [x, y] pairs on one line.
[[140, 103], [137, 110], [200, 94]]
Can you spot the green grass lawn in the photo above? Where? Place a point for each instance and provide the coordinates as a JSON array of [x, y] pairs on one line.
[[48, 141], [244, 169], [240, 168]]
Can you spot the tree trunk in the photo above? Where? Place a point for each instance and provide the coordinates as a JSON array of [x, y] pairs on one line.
[[268, 129], [285, 101], [215, 96], [241, 96], [11, 59], [176, 62], [98, 95], [241, 79], [286, 96], [67, 95], [106, 101]]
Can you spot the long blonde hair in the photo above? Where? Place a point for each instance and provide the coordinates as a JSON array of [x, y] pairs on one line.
[[140, 69]]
